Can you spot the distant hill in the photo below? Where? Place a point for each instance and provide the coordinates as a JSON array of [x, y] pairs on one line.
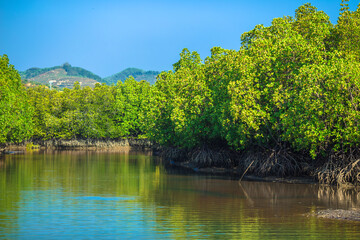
[[66, 75], [62, 76], [33, 72], [138, 74]]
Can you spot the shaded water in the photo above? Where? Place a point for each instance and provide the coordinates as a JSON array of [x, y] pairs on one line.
[[131, 195]]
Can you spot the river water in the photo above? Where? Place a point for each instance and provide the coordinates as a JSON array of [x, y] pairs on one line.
[[132, 195]]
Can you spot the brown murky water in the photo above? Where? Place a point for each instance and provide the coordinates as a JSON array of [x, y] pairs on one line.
[[131, 195]]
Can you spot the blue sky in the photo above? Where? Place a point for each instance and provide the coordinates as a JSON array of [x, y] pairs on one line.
[[107, 36]]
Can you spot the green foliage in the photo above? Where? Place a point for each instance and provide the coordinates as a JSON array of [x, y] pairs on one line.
[[45, 104], [160, 126], [104, 112], [312, 24], [346, 35], [132, 105], [324, 109], [15, 112], [182, 103], [236, 113], [75, 113]]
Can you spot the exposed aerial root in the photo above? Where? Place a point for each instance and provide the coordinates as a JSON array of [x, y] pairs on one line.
[[206, 157], [341, 168], [350, 174], [274, 162], [201, 156], [334, 169], [340, 173], [174, 154]]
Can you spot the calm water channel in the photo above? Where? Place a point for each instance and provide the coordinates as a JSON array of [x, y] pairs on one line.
[[132, 195]]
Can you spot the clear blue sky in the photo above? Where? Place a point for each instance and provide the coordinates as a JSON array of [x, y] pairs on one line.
[[107, 36]]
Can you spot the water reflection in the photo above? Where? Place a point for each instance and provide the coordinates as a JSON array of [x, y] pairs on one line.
[[86, 194], [341, 198], [2, 162]]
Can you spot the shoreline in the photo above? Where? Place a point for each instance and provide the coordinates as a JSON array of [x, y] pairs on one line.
[[252, 165], [82, 144], [141, 144]]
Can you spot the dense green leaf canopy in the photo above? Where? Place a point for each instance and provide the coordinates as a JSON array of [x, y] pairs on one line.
[[15, 112]]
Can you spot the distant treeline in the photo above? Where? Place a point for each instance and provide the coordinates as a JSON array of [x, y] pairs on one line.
[[294, 83]]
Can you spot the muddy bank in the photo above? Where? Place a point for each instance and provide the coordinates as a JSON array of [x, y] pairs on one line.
[[83, 143], [340, 214], [336, 203]]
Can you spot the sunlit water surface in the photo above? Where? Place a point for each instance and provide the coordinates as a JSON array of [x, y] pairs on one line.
[[132, 195]]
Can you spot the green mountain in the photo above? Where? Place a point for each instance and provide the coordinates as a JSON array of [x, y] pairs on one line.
[[66, 75], [138, 74], [33, 72], [61, 76]]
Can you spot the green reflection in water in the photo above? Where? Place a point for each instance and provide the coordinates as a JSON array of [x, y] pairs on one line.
[[79, 194]]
